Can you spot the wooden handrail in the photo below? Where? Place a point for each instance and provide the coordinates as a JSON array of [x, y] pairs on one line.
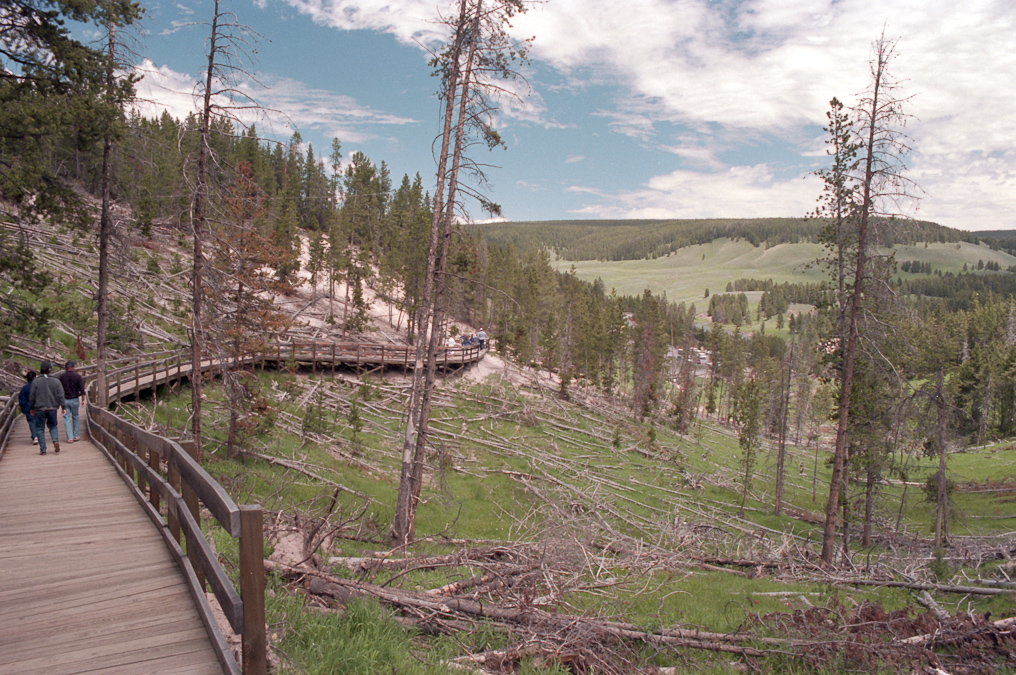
[[314, 352], [169, 483], [161, 471], [8, 414]]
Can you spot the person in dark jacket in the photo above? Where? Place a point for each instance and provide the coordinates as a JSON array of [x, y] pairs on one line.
[[44, 399], [74, 390], [23, 403]]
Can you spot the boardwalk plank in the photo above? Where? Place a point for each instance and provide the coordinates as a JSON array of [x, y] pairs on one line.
[[87, 584]]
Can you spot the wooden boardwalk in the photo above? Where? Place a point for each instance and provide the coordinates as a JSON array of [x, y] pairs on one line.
[[132, 379], [87, 583]]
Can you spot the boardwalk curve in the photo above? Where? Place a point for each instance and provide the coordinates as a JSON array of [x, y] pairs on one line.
[[87, 584], [92, 574]]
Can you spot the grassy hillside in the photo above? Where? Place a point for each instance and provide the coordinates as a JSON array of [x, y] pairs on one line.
[[566, 516], [686, 274], [645, 239], [625, 520]]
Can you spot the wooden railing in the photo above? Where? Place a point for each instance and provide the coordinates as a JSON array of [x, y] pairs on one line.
[[8, 414], [166, 479], [362, 354], [172, 486]]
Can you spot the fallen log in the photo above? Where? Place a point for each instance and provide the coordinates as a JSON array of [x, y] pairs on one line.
[[1001, 625], [384, 561], [920, 586], [300, 467], [551, 625]]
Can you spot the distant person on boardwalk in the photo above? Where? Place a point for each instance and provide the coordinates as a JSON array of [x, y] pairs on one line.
[[74, 390], [44, 399], [25, 406], [482, 337], [451, 341]]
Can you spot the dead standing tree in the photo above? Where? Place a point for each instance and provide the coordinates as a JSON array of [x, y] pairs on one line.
[[117, 91], [474, 67], [230, 45], [881, 189], [242, 284]]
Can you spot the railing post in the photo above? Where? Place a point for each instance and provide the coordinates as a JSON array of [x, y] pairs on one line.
[[252, 591], [153, 490], [140, 453], [190, 498], [173, 472]]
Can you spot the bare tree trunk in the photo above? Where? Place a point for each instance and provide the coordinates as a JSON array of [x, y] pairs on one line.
[[105, 231], [198, 224], [404, 520], [846, 516], [474, 28], [869, 506], [942, 502], [850, 354], [441, 267], [782, 451]]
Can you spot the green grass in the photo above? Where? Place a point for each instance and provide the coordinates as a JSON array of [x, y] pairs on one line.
[[686, 481], [364, 640], [686, 274]]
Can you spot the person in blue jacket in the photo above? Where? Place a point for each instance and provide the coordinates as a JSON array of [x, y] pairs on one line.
[[25, 406]]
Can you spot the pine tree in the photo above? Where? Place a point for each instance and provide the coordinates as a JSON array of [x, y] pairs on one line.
[[880, 118], [53, 87]]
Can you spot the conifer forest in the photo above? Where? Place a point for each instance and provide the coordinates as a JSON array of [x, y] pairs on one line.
[[732, 469]]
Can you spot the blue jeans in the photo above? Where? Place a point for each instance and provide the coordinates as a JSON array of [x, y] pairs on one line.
[[31, 424], [71, 406], [43, 419]]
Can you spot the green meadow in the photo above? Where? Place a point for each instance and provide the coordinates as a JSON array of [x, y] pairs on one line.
[[689, 272]]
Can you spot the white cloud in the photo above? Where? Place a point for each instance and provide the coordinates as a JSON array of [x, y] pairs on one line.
[[700, 157], [162, 88], [717, 76], [290, 105], [410, 21], [738, 192]]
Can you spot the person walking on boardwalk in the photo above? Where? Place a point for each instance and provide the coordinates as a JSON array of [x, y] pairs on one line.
[[44, 399], [483, 339], [74, 389], [24, 404]]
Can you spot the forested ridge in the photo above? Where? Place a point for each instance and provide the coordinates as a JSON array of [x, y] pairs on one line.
[[648, 239], [628, 457]]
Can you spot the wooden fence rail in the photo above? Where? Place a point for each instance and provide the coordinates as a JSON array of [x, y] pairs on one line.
[[8, 414], [172, 487]]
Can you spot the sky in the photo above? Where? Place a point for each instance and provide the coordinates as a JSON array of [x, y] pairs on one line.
[[635, 108]]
